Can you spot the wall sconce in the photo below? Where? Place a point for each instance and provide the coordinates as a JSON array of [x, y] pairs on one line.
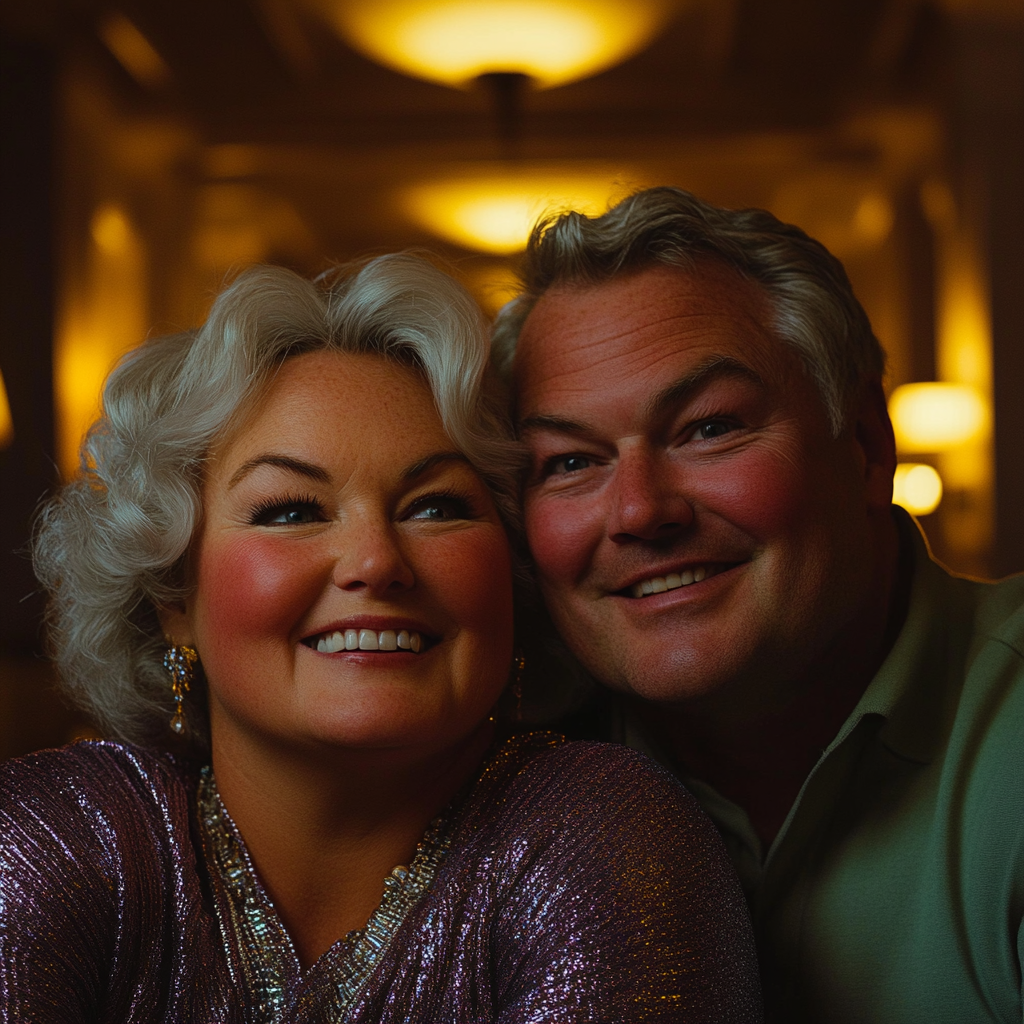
[[495, 212], [456, 41], [917, 487], [6, 421], [934, 417]]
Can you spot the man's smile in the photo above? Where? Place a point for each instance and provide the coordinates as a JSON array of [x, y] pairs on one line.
[[674, 580]]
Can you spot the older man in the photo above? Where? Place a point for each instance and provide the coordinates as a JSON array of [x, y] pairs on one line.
[[708, 505]]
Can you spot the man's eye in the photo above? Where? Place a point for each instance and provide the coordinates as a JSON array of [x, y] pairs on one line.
[[441, 508], [568, 464], [713, 428]]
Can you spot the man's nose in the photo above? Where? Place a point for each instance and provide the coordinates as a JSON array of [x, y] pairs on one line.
[[369, 556], [647, 502]]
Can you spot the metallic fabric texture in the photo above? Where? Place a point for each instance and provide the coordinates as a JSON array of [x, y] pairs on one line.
[[573, 882]]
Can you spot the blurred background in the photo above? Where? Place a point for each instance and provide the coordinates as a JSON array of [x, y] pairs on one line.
[[150, 149]]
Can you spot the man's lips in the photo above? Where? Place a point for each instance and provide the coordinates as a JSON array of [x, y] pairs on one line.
[[674, 579]]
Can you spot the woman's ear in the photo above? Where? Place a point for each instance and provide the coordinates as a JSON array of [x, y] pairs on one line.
[[175, 623]]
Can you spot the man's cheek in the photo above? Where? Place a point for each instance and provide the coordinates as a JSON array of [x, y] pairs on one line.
[[762, 497], [562, 536]]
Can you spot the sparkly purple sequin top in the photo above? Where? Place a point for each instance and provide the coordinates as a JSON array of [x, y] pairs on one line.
[[575, 882]]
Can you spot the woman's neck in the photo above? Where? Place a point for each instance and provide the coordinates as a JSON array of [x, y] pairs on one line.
[[324, 828]]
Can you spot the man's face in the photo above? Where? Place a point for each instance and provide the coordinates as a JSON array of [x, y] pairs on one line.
[[694, 524]]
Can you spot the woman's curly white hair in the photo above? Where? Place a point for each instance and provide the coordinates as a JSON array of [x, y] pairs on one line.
[[111, 546]]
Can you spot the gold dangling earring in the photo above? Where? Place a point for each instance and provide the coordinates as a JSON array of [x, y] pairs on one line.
[[180, 662], [519, 664]]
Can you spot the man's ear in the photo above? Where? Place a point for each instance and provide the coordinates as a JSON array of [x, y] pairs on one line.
[[175, 623], [872, 430]]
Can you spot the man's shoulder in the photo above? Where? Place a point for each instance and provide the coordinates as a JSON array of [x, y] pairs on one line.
[[994, 608], [1000, 612]]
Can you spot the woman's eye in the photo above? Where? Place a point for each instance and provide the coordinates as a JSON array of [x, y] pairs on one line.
[[568, 464], [288, 514], [441, 508]]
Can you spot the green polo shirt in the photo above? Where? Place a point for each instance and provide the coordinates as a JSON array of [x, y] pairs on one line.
[[894, 891]]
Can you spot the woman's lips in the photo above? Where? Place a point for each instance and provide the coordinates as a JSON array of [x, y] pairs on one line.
[[335, 641]]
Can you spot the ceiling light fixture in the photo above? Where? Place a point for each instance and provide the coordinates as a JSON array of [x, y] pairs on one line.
[[494, 212], [456, 41]]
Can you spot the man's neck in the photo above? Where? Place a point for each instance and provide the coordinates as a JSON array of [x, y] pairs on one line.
[[760, 759]]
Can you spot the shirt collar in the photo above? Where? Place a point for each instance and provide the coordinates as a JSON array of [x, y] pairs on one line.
[[904, 691]]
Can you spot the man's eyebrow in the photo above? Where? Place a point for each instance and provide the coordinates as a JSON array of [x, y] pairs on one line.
[[299, 466], [436, 459], [556, 424], [715, 368]]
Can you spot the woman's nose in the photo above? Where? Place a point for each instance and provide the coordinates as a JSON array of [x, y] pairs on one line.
[[646, 499], [370, 557]]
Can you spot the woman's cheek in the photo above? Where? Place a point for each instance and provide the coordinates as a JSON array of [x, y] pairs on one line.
[[252, 586], [471, 575]]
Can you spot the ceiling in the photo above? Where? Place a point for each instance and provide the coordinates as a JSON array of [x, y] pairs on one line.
[[735, 99]]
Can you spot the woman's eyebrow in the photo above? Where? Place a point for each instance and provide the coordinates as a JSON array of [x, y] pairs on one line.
[[428, 463], [715, 368], [299, 466]]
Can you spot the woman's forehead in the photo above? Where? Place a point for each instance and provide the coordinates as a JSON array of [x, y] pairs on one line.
[[325, 401]]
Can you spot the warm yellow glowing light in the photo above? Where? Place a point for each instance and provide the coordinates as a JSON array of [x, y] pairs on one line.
[[873, 218], [6, 421], [937, 417], [917, 487], [103, 315], [110, 230], [495, 213], [453, 41], [134, 52]]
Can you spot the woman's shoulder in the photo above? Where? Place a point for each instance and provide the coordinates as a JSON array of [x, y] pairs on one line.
[[92, 759], [90, 782], [548, 759], [541, 777]]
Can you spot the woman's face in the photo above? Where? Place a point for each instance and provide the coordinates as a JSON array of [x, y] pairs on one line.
[[340, 510]]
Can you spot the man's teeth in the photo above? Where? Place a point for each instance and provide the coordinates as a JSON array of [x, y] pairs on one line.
[[370, 640], [673, 581]]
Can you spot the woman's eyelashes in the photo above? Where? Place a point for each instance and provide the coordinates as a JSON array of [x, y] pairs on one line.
[[288, 511]]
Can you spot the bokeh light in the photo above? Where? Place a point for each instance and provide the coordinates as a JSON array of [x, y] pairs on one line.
[[494, 212], [934, 417], [917, 487]]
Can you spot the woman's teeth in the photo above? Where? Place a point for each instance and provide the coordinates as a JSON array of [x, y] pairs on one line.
[[673, 581], [369, 640]]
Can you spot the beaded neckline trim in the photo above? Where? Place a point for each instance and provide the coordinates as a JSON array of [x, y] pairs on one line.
[[261, 957]]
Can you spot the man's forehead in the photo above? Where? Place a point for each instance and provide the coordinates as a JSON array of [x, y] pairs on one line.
[[646, 324]]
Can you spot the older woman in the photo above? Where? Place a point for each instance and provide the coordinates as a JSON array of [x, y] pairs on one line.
[[286, 558]]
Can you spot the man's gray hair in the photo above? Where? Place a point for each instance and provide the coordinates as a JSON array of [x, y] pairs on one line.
[[816, 311], [111, 546]]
